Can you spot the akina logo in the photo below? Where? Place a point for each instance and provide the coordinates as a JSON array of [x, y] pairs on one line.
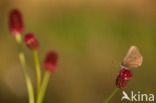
[[138, 97]]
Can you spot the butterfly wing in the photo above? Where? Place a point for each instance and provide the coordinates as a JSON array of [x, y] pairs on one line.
[[133, 58]]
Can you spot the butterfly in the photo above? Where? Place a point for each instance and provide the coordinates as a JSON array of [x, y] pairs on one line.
[[133, 58]]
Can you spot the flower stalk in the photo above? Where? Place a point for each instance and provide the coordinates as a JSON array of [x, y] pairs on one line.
[[110, 97], [22, 61], [43, 87], [38, 72]]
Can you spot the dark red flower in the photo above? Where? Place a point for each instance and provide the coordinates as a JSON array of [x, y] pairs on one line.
[[120, 82], [15, 22], [126, 74], [31, 41], [122, 79], [51, 61]]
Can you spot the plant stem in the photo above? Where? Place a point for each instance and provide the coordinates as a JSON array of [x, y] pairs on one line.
[[109, 98], [43, 86], [22, 61], [37, 71]]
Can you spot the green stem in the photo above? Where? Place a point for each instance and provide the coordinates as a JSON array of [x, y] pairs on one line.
[[109, 98], [37, 71], [22, 61], [43, 87]]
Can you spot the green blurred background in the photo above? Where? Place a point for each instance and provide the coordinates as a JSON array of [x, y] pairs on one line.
[[91, 37]]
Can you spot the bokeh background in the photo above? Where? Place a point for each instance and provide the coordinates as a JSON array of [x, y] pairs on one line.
[[91, 37]]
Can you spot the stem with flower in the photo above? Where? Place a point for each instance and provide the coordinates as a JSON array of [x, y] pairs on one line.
[[16, 27], [33, 44], [50, 65]]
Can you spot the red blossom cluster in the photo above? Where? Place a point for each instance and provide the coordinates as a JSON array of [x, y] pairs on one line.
[[16, 27], [124, 76]]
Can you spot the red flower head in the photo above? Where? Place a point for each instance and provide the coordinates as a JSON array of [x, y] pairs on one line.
[[51, 61], [15, 22], [31, 41], [122, 79], [120, 82], [126, 74]]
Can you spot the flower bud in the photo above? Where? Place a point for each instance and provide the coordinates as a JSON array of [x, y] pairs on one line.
[[31, 41], [51, 61], [15, 22]]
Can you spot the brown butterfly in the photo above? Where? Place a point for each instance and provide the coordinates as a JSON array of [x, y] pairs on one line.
[[133, 58]]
